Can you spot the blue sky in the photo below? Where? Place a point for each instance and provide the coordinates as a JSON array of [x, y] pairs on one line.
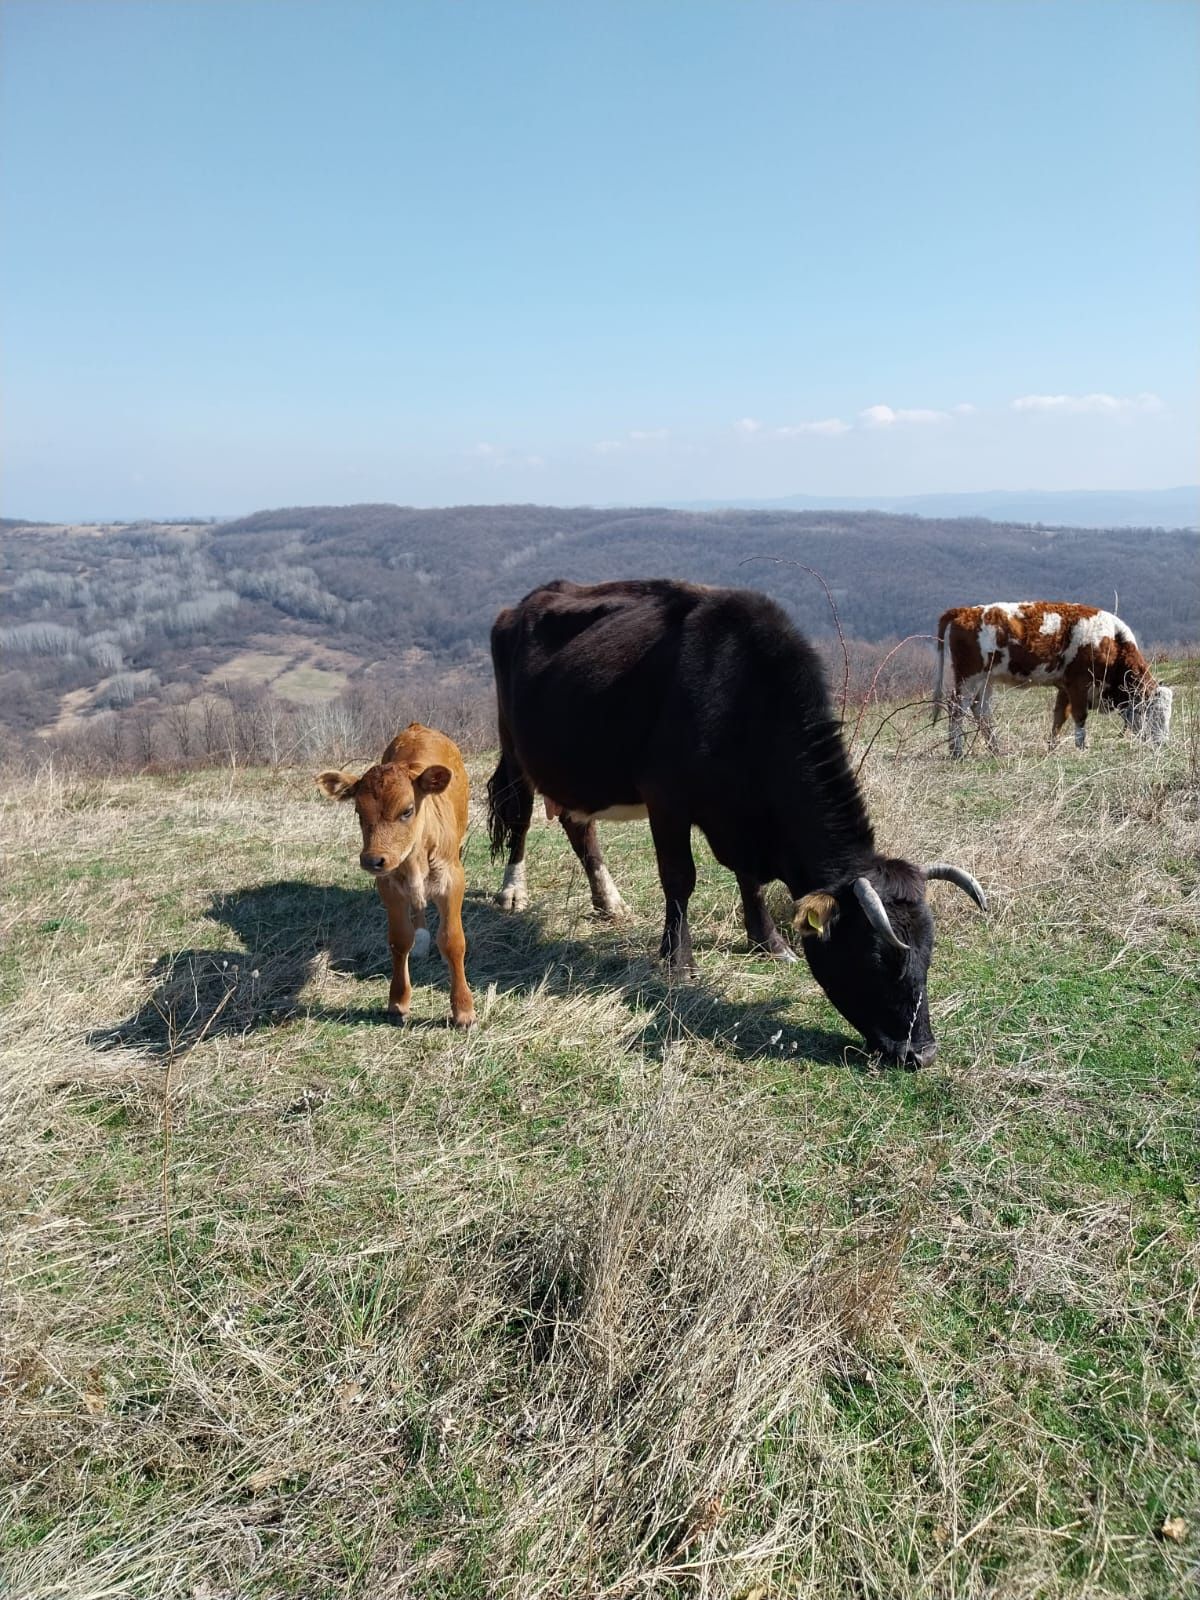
[[265, 252]]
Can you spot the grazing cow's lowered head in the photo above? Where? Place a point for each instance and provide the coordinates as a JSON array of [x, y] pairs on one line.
[[388, 801], [1146, 711], [869, 945]]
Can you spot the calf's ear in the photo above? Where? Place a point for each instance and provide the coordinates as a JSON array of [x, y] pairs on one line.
[[815, 915], [337, 785], [433, 780]]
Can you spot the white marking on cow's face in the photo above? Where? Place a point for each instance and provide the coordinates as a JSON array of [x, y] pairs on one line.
[[1051, 622], [1149, 716]]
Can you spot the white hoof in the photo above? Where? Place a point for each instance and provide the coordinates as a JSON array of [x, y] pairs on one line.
[[512, 900]]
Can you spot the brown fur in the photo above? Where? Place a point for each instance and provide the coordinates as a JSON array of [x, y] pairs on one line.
[[412, 806]]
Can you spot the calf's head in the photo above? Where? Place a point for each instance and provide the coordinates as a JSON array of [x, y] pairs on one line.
[[869, 943], [388, 800]]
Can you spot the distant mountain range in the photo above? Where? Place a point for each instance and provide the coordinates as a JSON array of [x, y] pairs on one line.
[[1062, 508]]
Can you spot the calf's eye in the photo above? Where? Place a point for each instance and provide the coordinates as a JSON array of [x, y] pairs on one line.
[[406, 816]]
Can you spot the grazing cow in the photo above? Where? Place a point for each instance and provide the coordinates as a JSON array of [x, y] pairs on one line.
[[413, 809], [1091, 657], [699, 707]]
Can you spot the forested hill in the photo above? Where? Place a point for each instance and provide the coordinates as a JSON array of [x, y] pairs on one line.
[[309, 598]]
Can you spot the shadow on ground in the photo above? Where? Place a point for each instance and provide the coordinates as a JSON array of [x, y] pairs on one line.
[[285, 929]]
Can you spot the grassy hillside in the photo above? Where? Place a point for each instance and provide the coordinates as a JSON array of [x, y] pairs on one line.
[[634, 1290], [311, 601]]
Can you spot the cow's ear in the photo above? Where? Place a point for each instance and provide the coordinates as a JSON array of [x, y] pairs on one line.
[[337, 785], [815, 915], [433, 780]]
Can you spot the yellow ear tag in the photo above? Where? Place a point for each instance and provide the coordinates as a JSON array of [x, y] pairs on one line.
[[814, 920]]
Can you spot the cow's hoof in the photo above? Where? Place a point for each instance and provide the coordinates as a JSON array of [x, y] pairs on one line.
[[421, 944], [611, 910], [464, 1019], [396, 1018], [512, 900], [780, 952]]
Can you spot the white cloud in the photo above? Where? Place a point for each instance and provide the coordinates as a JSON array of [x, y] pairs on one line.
[[828, 427], [1077, 405], [499, 456], [488, 452], [643, 435], [887, 416], [747, 426], [964, 410], [608, 447]]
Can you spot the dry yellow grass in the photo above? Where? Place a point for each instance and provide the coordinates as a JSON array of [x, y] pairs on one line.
[[634, 1291]]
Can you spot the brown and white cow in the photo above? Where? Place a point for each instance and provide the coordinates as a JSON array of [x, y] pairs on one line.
[[412, 806], [1090, 656]]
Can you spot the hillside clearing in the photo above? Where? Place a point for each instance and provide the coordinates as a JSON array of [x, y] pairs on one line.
[[635, 1290]]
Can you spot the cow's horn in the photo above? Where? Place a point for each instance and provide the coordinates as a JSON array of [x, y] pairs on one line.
[[876, 915], [964, 880]]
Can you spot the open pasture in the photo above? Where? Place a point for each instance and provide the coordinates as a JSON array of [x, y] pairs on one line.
[[633, 1290]]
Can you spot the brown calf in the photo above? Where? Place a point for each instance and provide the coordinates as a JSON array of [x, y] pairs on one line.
[[1090, 656], [413, 811]]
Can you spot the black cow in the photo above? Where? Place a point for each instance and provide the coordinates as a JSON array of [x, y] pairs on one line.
[[704, 707]]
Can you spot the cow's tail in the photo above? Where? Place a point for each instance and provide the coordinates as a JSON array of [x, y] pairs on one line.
[[939, 680], [509, 802]]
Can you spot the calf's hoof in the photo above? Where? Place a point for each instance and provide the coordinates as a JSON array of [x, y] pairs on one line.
[[512, 899], [464, 1019], [396, 1018]]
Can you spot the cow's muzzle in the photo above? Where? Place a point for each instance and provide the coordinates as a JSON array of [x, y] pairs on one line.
[[372, 864], [904, 1053]]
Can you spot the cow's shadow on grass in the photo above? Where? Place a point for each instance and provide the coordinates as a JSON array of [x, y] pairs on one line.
[[285, 930]]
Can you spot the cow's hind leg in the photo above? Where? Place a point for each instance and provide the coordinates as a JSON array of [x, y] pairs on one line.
[[764, 936], [585, 841], [510, 808], [1078, 697], [677, 873], [957, 709], [982, 711]]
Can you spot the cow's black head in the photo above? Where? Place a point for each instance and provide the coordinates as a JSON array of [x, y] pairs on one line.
[[869, 944]]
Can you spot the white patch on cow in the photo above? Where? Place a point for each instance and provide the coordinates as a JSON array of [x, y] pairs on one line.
[[987, 638], [513, 895], [606, 897], [421, 944], [1051, 622], [1091, 631]]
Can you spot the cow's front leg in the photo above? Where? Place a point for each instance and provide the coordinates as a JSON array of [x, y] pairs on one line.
[[760, 930], [1078, 697], [452, 942], [982, 710], [677, 873], [401, 936], [1058, 720], [585, 841]]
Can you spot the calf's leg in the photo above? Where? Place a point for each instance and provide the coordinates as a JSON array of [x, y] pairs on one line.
[[401, 935], [585, 841], [452, 942], [672, 836]]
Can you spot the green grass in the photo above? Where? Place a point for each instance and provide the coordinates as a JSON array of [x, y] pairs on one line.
[[637, 1288]]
